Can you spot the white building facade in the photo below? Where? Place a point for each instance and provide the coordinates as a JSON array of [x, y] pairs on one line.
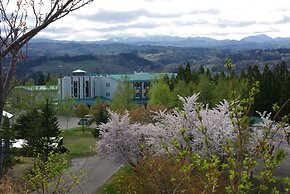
[[84, 88]]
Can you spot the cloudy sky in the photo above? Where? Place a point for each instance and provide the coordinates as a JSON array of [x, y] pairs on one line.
[[219, 19]]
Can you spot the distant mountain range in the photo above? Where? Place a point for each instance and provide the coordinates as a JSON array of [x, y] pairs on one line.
[[261, 41], [152, 54]]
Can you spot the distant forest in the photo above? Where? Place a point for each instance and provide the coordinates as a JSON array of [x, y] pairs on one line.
[[61, 59], [273, 85]]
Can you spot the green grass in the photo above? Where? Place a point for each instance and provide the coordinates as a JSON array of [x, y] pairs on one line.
[[79, 143], [22, 165], [109, 187], [67, 67]]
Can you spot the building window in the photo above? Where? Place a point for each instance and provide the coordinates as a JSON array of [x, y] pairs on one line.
[[107, 85], [87, 89], [75, 89], [146, 85], [137, 95], [137, 84], [107, 94]]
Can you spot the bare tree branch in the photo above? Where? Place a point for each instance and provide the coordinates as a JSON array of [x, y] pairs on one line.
[[15, 33]]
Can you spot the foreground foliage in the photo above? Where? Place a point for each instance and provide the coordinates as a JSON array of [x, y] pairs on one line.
[[51, 176], [215, 148]]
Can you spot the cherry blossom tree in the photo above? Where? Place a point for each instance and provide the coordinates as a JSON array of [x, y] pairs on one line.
[[215, 140], [122, 140]]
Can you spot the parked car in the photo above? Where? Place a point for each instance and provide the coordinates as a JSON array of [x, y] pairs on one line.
[[85, 121]]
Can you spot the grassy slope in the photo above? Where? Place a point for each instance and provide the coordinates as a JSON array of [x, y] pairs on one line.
[[54, 68], [79, 143]]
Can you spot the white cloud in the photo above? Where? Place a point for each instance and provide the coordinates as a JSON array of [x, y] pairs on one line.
[[223, 19]]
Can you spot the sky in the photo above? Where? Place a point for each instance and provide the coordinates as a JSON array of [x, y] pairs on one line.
[[218, 19]]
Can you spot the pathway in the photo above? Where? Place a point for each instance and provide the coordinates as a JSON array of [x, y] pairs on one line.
[[97, 172]]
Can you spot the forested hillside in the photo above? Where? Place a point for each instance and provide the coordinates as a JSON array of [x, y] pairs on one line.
[[62, 57]]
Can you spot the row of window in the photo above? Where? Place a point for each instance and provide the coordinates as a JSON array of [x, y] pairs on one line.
[[136, 85], [139, 85]]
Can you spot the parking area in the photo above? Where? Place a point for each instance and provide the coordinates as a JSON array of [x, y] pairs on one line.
[[72, 123]]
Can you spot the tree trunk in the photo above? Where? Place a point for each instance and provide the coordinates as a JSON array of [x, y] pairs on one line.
[[1, 112]]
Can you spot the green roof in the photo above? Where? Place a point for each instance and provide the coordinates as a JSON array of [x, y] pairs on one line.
[[139, 77]]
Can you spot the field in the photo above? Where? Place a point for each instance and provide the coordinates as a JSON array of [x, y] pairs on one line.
[[79, 143]]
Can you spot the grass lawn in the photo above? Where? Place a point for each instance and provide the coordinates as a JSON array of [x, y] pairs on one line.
[[79, 143], [23, 164]]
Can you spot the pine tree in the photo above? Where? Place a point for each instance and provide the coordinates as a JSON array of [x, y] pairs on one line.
[[187, 73], [51, 139], [8, 136], [41, 131]]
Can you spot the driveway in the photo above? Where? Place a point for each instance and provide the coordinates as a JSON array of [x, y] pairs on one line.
[[97, 172], [283, 170], [72, 123]]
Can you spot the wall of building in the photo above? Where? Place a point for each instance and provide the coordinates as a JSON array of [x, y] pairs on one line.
[[88, 87]]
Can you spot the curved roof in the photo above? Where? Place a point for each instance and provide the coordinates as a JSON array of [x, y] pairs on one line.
[[79, 71]]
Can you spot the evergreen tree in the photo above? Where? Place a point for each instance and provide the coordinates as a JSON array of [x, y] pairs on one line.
[[180, 73], [208, 74], [41, 79], [8, 136], [48, 78], [187, 73], [27, 127], [201, 70], [194, 76], [51, 140], [41, 130]]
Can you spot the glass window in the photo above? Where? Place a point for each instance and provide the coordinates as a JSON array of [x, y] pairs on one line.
[[87, 88], [107, 84], [75, 89]]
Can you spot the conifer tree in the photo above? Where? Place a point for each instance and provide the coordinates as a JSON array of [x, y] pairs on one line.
[[41, 131], [51, 139], [8, 136]]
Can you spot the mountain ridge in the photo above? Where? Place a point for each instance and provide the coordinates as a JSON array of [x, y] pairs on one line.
[[261, 41]]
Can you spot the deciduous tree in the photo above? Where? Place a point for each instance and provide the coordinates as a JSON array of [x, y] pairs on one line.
[[122, 99], [81, 112], [65, 109], [159, 94], [15, 32], [215, 143]]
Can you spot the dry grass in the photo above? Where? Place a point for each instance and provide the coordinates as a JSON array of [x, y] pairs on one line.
[[21, 167], [10, 186], [160, 174]]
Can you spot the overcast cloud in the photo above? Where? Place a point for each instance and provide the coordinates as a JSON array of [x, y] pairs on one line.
[[223, 19]]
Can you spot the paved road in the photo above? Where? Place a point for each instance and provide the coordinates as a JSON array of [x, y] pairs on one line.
[[72, 123], [97, 172], [283, 169]]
